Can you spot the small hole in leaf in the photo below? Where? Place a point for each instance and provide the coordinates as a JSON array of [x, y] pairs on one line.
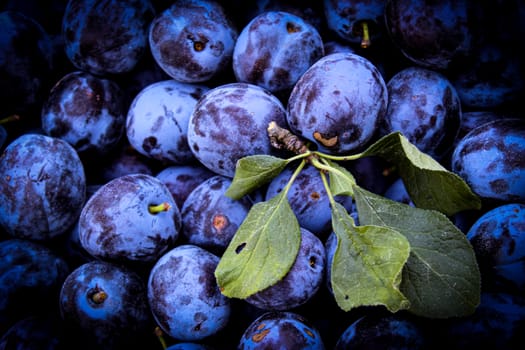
[[346, 297], [240, 247]]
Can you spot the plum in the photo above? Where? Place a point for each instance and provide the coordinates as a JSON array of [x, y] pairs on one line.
[[229, 122], [301, 283], [31, 275], [308, 199], [496, 324], [210, 219], [85, 110], [131, 219], [26, 64], [158, 117], [490, 159], [283, 330], [424, 106], [338, 103], [108, 36], [431, 34], [382, 331], [356, 22], [184, 296], [44, 332], [274, 49], [193, 40], [42, 187], [182, 179], [498, 240], [106, 304]]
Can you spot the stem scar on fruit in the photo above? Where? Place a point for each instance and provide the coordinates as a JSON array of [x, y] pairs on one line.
[[330, 142]]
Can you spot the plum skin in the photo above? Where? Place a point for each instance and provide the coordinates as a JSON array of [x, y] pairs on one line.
[[46, 174], [498, 239], [338, 103], [116, 224], [301, 283], [86, 111], [230, 122], [192, 40], [118, 318], [184, 296], [157, 120], [490, 159], [275, 49]]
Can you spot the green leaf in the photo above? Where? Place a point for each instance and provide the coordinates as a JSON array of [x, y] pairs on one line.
[[441, 277], [429, 184], [252, 172], [262, 250], [341, 180], [367, 264]]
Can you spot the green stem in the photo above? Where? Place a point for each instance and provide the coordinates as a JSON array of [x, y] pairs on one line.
[[294, 176], [8, 119], [338, 158], [160, 336], [155, 209]]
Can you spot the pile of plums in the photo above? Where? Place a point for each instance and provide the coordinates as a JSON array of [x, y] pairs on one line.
[[122, 122]]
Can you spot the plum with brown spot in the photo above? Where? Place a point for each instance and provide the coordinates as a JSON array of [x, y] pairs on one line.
[[281, 330], [210, 219]]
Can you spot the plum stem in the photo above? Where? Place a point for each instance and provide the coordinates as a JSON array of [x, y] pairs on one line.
[[11, 118], [155, 209], [365, 40], [99, 297], [282, 138], [160, 336]]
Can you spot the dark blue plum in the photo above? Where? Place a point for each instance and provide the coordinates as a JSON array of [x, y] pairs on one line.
[[42, 187], [490, 159], [496, 324], [431, 34], [230, 122], [210, 219], [86, 111], [132, 219], [382, 331], [356, 22], [473, 119], [283, 330], [398, 192], [26, 64], [498, 239], [123, 160], [274, 49], [182, 179], [158, 117], [37, 332], [31, 276], [106, 36], [3, 137], [490, 78], [308, 199], [193, 40], [338, 103], [424, 106], [184, 296], [301, 283], [106, 305]]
